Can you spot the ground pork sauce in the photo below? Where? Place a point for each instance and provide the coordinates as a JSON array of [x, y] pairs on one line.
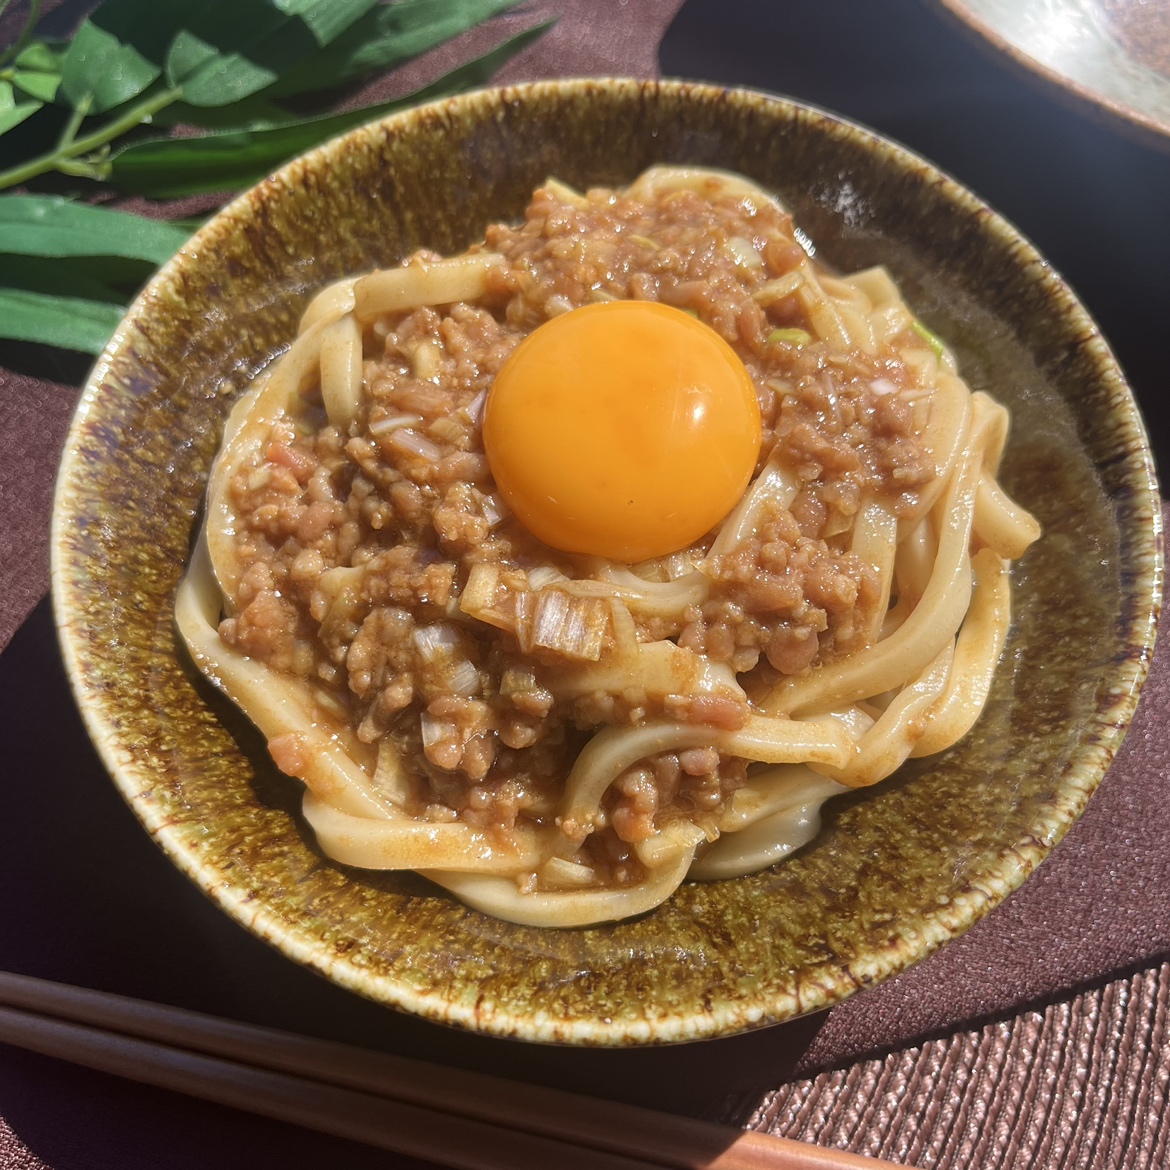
[[357, 550]]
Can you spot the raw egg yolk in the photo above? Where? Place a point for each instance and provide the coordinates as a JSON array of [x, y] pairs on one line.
[[624, 430]]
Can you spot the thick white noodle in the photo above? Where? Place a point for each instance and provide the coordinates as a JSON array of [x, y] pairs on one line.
[[394, 290], [341, 371], [887, 744], [706, 181], [610, 752], [977, 653], [1001, 522], [330, 303], [794, 821], [246, 434], [919, 639], [647, 598], [914, 560], [875, 533], [400, 841], [775, 487], [947, 436], [770, 790], [502, 898], [277, 707]]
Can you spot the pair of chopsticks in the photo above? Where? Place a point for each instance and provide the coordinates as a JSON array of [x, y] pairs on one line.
[[457, 1118]]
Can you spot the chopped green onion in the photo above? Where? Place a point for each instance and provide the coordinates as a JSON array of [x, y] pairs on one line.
[[932, 339], [792, 336]]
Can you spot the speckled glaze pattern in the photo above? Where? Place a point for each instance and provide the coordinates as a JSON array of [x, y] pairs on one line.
[[897, 870]]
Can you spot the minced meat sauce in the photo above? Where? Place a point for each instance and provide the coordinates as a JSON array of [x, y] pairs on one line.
[[355, 548]]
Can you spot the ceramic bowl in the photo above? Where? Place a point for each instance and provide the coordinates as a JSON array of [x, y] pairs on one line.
[[897, 870]]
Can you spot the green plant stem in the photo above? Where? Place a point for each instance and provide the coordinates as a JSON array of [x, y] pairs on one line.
[[67, 151], [69, 134], [98, 171], [14, 50]]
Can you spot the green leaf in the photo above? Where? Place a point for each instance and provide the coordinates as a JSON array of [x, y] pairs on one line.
[[249, 114], [22, 38], [327, 19], [39, 85], [69, 322], [387, 36], [47, 225], [219, 51], [191, 224], [119, 50], [214, 78], [42, 57], [234, 48], [91, 278], [12, 112], [169, 168], [381, 38]]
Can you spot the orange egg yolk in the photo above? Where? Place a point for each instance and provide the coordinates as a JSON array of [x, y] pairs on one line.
[[624, 430]]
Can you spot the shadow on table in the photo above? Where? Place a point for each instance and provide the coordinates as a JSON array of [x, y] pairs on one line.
[[87, 898]]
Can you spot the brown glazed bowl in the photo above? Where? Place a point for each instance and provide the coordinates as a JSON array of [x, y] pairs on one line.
[[897, 870]]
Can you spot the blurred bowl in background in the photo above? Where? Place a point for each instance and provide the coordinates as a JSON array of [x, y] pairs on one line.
[[1112, 54]]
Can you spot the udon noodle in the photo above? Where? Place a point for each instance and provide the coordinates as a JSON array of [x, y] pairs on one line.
[[558, 739]]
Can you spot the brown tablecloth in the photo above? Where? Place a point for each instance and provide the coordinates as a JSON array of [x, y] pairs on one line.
[[1036, 1040]]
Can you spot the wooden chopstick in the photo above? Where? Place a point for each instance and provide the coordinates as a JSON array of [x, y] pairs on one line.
[[463, 1119], [364, 1117]]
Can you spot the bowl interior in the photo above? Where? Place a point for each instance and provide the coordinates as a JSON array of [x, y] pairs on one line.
[[897, 869]]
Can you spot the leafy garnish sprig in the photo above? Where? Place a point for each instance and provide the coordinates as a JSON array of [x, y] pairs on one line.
[[254, 80]]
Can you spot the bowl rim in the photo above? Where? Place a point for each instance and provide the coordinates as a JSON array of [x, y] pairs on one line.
[[735, 1012]]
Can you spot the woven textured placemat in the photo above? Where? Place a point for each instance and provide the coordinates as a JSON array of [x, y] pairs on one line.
[[1081, 1083]]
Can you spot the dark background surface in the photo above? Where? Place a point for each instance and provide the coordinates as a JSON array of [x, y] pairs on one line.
[[86, 898]]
